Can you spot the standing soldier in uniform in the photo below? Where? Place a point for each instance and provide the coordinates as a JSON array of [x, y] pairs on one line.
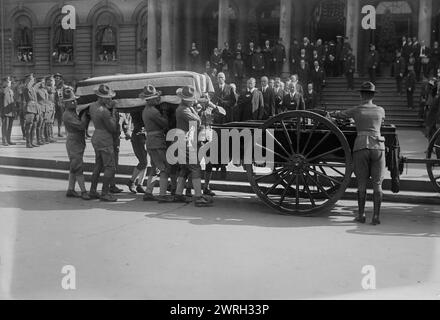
[[349, 68], [186, 120], [75, 144], [42, 98], [30, 108], [156, 125], [7, 110], [104, 119], [50, 109], [59, 105], [368, 150]]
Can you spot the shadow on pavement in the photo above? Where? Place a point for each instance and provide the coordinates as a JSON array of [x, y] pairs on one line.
[[241, 210]]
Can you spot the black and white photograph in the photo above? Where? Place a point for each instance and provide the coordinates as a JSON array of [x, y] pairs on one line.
[[207, 152]]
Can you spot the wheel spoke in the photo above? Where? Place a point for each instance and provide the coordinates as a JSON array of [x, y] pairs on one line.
[[306, 187], [324, 154], [268, 175], [277, 183], [315, 126], [325, 176], [318, 185], [297, 190], [286, 133], [298, 133], [318, 144], [283, 195], [279, 143], [325, 173], [274, 152], [331, 166]]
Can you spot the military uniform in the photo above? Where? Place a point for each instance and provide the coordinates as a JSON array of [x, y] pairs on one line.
[[50, 114], [76, 139], [7, 110], [31, 111], [106, 127], [368, 151], [42, 99]]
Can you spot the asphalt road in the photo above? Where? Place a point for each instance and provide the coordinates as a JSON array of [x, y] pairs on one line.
[[238, 249]]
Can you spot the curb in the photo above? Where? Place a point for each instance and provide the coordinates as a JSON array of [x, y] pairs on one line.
[[59, 171]]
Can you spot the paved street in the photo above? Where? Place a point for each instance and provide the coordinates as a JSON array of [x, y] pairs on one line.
[[238, 249]]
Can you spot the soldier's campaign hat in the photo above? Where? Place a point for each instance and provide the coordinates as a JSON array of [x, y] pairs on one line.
[[368, 87], [186, 93], [58, 75], [28, 75], [149, 92], [69, 95], [104, 91]]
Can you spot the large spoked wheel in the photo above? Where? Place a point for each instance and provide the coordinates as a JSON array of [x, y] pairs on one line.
[[312, 164], [433, 153]]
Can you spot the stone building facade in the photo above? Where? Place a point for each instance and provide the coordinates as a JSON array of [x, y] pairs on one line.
[[126, 36]]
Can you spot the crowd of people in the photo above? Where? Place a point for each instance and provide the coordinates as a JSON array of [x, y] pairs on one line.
[[311, 61], [36, 103]]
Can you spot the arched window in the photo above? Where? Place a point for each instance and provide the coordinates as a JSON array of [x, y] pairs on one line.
[[62, 40], [23, 39], [106, 42]]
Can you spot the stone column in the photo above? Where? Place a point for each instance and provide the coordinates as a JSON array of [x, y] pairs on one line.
[[353, 25], [242, 23], [166, 57], [152, 37], [223, 23], [189, 36], [425, 12], [285, 29]]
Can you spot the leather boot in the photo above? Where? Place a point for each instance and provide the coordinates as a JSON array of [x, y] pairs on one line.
[[361, 207], [27, 134], [106, 195], [32, 135], [377, 202]]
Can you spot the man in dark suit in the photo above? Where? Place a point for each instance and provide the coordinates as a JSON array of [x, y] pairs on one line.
[[399, 67], [268, 98], [294, 55], [410, 84], [418, 62], [339, 55], [311, 98], [224, 97], [279, 57], [349, 68], [267, 53], [372, 63], [303, 73], [404, 48], [279, 94], [251, 103], [293, 100], [317, 77]]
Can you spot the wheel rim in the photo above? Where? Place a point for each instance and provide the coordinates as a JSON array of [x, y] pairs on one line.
[[434, 153], [312, 164]]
